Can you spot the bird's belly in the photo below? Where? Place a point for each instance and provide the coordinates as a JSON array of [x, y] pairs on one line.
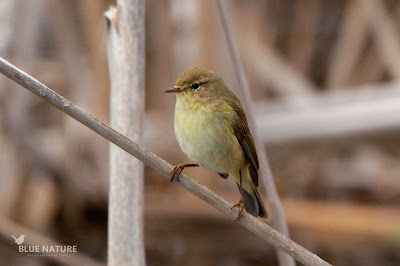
[[209, 142]]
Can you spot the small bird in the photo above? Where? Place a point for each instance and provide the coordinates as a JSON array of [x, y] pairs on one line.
[[211, 128], [19, 240]]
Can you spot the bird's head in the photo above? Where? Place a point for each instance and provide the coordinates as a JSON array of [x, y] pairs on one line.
[[198, 84]]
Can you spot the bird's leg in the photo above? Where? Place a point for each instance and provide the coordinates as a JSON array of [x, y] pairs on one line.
[[179, 168], [240, 204]]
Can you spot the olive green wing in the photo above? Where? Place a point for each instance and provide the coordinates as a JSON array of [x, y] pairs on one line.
[[243, 135]]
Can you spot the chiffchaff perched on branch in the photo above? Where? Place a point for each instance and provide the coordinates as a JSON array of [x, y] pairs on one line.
[[211, 128]]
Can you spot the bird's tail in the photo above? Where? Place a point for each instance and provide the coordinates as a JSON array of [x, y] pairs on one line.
[[14, 237], [252, 200]]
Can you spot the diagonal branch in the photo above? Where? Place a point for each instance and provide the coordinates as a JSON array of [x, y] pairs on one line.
[[385, 37], [348, 47], [254, 225], [278, 215]]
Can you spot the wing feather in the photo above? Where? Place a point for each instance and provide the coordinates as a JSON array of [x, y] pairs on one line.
[[243, 135]]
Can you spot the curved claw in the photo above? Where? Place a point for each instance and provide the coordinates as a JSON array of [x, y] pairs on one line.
[[240, 206], [176, 172]]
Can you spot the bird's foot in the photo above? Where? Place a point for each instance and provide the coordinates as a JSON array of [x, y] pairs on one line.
[[240, 206], [176, 172]]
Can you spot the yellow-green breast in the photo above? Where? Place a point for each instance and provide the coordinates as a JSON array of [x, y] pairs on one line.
[[204, 132]]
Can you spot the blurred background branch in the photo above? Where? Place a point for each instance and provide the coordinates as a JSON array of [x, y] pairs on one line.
[[126, 64], [366, 110], [278, 219]]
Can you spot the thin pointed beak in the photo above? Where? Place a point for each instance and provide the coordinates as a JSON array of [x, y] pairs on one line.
[[174, 89]]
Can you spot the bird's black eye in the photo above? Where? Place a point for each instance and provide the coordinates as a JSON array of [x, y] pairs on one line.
[[195, 85]]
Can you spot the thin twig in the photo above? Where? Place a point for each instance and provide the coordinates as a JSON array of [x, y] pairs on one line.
[[8, 228], [248, 221], [303, 39], [269, 67], [385, 36], [125, 50], [348, 47], [277, 214]]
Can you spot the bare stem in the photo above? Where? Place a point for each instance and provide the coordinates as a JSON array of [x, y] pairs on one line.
[[277, 214], [254, 225], [125, 50]]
